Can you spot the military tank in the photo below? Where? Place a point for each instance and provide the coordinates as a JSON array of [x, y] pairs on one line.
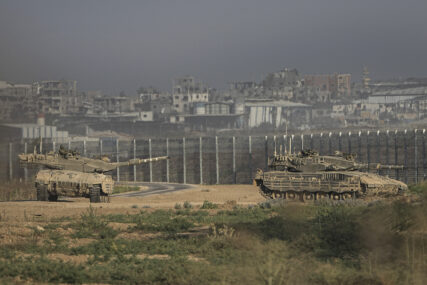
[[308, 176], [69, 174]]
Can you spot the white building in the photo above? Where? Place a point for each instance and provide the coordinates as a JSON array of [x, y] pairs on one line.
[[277, 113], [186, 92]]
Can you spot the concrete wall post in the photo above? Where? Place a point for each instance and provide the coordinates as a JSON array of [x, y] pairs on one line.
[[134, 157], [424, 154], [396, 153], [184, 164], [274, 140], [10, 162], [250, 156], [266, 152], [217, 159], [368, 148], [117, 159], [25, 168], [201, 159], [302, 142], [167, 161], [234, 159], [387, 151], [378, 147], [416, 155], [151, 164], [321, 144], [405, 155], [311, 142]]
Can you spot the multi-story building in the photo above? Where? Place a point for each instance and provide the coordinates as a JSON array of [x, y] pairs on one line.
[[281, 85], [337, 85], [343, 83], [116, 104], [56, 96], [16, 100], [151, 99], [284, 78], [186, 92]]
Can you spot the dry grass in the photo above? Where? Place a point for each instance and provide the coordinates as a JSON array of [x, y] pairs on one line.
[[17, 191]]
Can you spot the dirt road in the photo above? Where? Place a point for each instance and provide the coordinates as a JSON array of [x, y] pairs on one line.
[[158, 198], [153, 188]]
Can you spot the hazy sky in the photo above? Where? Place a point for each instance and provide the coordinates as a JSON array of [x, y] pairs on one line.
[[121, 45]]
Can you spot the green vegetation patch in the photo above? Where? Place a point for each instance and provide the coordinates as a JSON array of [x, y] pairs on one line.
[[340, 243], [124, 188], [209, 205], [92, 225]]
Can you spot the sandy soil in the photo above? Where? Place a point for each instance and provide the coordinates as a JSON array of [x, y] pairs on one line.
[[34, 211]]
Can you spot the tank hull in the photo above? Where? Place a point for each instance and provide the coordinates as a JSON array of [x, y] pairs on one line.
[[334, 185], [53, 183]]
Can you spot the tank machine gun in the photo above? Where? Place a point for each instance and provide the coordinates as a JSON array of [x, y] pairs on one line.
[[310, 176], [69, 174]]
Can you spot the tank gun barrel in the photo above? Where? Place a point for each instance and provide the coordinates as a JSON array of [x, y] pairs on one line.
[[137, 161], [380, 166]]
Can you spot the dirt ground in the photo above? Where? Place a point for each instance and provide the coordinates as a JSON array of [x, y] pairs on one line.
[[35, 211]]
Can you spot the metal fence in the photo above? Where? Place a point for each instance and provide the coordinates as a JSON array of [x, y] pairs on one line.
[[234, 160]]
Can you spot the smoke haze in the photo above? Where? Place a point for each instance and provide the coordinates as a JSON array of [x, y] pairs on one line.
[[121, 45]]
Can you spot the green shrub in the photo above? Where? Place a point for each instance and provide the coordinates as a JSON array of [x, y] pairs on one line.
[[43, 270], [187, 205], [337, 231], [265, 205], [208, 205], [93, 225], [419, 188]]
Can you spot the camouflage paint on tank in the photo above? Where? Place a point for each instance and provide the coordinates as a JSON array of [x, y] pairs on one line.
[[309, 176], [69, 174], [73, 183]]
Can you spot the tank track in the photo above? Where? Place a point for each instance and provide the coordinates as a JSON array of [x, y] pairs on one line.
[[305, 196]]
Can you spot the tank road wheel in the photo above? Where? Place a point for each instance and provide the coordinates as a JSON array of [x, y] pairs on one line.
[[307, 196], [335, 196], [94, 194], [278, 195], [322, 196], [347, 196], [291, 196], [42, 194]]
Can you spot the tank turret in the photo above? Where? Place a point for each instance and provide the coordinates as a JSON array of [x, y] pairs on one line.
[[310, 176], [71, 160], [308, 160]]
